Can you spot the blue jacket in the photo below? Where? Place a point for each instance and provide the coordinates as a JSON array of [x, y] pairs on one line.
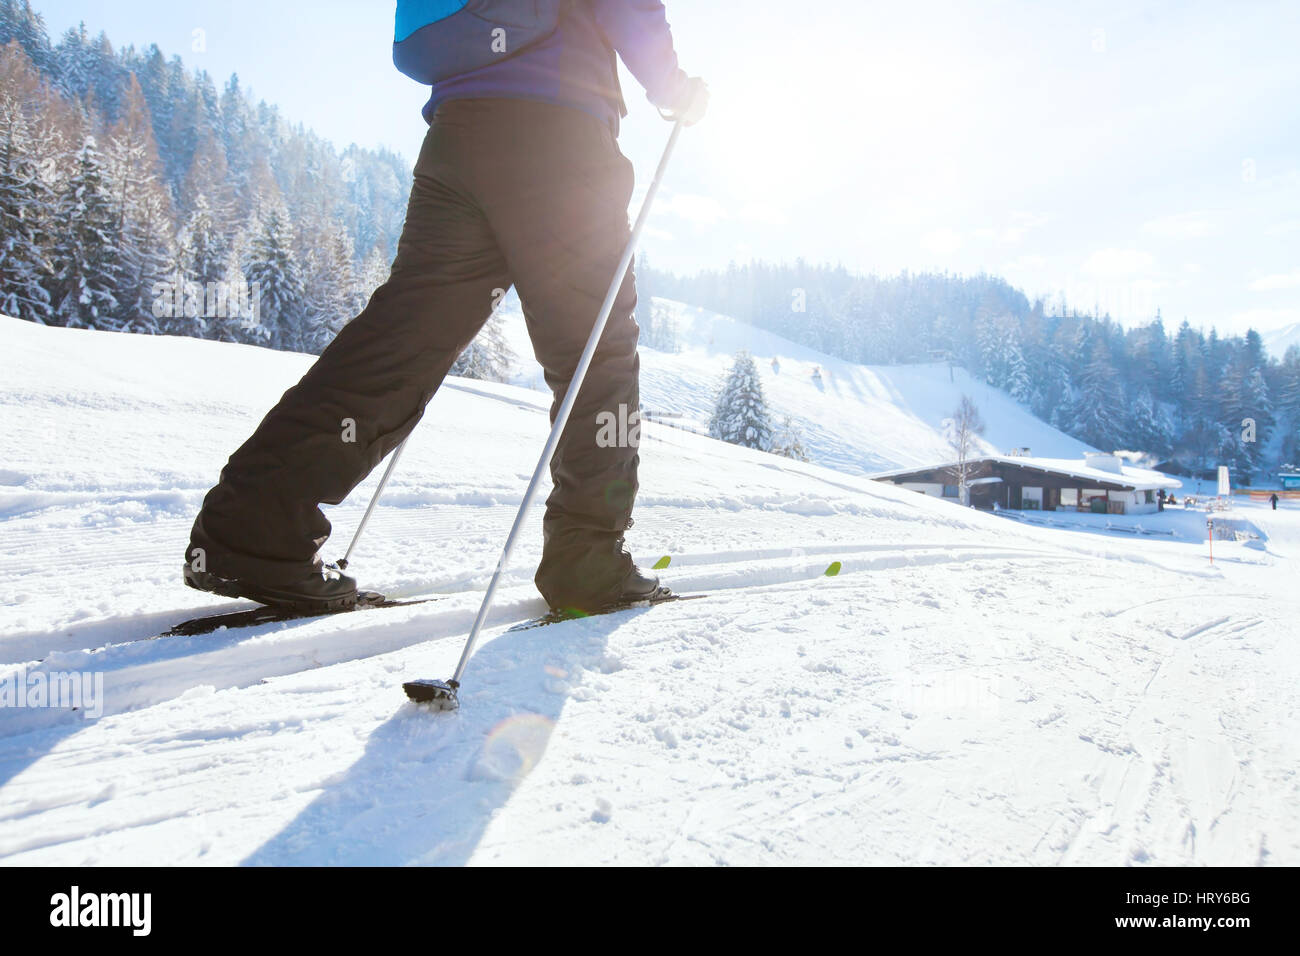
[[575, 65]]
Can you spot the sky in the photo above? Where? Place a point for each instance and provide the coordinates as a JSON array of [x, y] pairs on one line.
[[1130, 156]]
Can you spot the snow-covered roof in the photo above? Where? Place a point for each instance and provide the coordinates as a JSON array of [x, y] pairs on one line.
[[1139, 479]]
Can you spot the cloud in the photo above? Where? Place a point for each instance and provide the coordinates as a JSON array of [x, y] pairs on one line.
[[1026, 262], [693, 207], [1186, 225], [1117, 263], [762, 213], [1021, 223], [1283, 228], [1288, 280], [942, 241]]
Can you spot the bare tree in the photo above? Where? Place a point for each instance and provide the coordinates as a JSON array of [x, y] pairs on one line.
[[961, 431]]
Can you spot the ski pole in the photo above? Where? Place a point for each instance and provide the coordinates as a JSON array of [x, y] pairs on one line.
[[443, 693], [365, 518]]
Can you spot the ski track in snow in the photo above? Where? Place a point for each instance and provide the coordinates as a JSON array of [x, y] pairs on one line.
[[966, 690]]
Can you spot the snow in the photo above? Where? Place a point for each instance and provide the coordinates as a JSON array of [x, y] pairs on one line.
[[1278, 340], [967, 689]]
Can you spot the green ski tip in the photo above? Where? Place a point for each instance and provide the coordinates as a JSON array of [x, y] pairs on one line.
[[662, 563], [833, 569]]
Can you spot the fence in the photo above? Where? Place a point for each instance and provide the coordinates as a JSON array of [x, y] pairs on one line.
[[1256, 494]]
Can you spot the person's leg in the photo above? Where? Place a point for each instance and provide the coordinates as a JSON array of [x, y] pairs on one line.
[[367, 390], [556, 189]]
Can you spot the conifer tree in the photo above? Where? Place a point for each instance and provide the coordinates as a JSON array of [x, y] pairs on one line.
[[740, 414], [374, 272], [1098, 411], [87, 265], [20, 24], [330, 285], [489, 357], [1151, 431], [788, 441], [26, 198], [143, 230], [275, 280]]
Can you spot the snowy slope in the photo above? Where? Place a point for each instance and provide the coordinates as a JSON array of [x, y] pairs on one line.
[[856, 418], [967, 689], [1277, 341]]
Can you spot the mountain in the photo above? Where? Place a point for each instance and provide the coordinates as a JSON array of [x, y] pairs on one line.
[[1278, 341]]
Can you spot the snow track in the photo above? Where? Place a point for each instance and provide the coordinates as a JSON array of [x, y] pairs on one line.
[[150, 670]]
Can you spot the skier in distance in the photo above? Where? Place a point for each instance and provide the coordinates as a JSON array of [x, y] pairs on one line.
[[520, 182]]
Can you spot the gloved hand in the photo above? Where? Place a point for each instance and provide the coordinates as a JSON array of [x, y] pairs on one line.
[[692, 102]]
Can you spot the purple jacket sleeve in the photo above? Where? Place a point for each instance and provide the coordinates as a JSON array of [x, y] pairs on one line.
[[638, 30]]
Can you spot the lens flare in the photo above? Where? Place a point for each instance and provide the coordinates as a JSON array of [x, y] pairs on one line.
[[513, 748]]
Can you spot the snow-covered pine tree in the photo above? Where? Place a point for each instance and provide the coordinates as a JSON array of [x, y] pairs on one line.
[[1054, 390], [20, 24], [489, 357], [374, 272], [1099, 415], [1002, 357], [1287, 407], [26, 198], [275, 280], [988, 342], [203, 246], [227, 321], [200, 267], [658, 330], [1288, 398], [1258, 402], [208, 176], [329, 284], [1249, 409], [1017, 382], [788, 440], [644, 306], [72, 62], [1151, 429], [86, 261], [740, 414], [143, 210]]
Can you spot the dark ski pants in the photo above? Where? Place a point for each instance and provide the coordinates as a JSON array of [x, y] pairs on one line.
[[505, 192]]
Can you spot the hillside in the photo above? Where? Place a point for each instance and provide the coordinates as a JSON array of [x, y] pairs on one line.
[[856, 419], [1277, 341], [966, 689]]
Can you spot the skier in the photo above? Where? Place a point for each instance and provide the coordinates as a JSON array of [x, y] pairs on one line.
[[1273, 500], [519, 180]]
